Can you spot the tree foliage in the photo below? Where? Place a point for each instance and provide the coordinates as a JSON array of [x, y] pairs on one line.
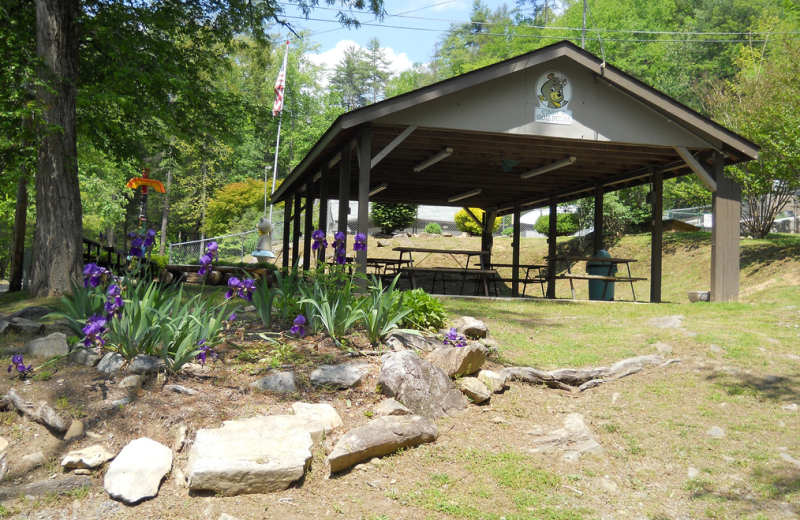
[[466, 224], [566, 225], [392, 217]]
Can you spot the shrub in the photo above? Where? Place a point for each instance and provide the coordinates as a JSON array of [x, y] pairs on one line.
[[464, 222], [566, 224], [391, 217], [427, 312], [509, 231], [433, 228], [160, 260]]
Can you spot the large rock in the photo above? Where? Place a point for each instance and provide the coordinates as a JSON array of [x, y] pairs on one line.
[[33, 312], [424, 388], [21, 326], [87, 458], [495, 381], [259, 455], [111, 363], [459, 361], [406, 341], [322, 412], [391, 407], [281, 382], [379, 437], [470, 327], [346, 375], [53, 345], [575, 438], [474, 389], [143, 364], [137, 471]]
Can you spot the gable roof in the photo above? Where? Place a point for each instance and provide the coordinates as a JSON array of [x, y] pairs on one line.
[[345, 127]]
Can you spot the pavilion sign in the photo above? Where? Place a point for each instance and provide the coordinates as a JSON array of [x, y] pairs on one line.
[[554, 92]]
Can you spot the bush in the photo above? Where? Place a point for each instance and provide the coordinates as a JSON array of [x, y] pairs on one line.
[[464, 222], [433, 228], [391, 217], [427, 312], [566, 224], [509, 231], [160, 260]]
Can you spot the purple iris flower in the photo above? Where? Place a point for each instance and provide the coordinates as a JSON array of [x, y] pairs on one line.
[[94, 330], [93, 275], [114, 290], [360, 242], [149, 238], [298, 329], [234, 285], [341, 256], [455, 339], [131, 235], [246, 288], [212, 248], [232, 317], [205, 352], [18, 363], [319, 240], [205, 261]]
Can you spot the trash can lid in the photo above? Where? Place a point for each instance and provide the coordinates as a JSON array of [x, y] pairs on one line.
[[600, 253]]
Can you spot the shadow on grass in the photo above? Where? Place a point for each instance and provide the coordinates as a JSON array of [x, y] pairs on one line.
[[773, 388], [773, 484], [775, 248]]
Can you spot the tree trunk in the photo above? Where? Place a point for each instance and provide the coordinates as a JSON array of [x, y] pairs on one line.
[[165, 215], [110, 236], [203, 207], [20, 220], [58, 246]]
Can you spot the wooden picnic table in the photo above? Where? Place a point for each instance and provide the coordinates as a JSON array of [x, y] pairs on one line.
[[411, 268], [606, 279], [525, 275]]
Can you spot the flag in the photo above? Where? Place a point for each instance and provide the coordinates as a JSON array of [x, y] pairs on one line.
[[280, 84]]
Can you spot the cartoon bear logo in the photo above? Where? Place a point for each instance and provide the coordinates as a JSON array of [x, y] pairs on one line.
[[552, 92]]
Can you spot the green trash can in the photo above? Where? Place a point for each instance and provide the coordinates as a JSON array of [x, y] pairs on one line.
[[596, 287]]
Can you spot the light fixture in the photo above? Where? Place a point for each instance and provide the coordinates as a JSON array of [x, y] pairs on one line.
[[548, 167], [465, 195], [444, 154], [376, 189], [317, 177]]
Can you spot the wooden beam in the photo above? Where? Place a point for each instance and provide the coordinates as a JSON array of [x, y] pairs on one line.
[[324, 183], [391, 146], [657, 240], [551, 248], [287, 220], [726, 216], [344, 190], [698, 168], [364, 152], [309, 224], [516, 246], [598, 216], [476, 219], [296, 229]]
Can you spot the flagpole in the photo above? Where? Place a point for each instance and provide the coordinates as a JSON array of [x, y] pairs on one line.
[[277, 144]]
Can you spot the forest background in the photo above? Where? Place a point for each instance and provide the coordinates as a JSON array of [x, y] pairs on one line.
[[194, 105]]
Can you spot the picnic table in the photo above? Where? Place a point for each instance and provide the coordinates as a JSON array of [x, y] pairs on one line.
[[528, 273], [606, 278], [410, 268]]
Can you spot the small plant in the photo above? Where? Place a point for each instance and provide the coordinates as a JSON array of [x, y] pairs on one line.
[[427, 312], [433, 228], [43, 376], [455, 339], [507, 232], [384, 309], [18, 363], [298, 329]]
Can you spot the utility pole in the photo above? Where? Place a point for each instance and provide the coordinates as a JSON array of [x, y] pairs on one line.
[[583, 30]]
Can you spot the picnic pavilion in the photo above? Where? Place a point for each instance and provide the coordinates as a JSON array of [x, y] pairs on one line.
[[551, 126]]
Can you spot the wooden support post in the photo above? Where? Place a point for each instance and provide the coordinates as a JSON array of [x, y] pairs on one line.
[[324, 183], [298, 200], [726, 214], [344, 189], [309, 223], [551, 249], [287, 220], [364, 152], [516, 245], [599, 189], [656, 247]]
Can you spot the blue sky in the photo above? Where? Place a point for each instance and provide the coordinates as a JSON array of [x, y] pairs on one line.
[[422, 22]]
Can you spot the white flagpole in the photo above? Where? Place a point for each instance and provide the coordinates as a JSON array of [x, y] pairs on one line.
[[278, 143]]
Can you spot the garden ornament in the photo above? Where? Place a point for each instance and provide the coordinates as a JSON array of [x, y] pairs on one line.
[[264, 246], [144, 182]]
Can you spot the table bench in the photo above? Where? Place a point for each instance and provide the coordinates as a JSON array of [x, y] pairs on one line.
[[525, 276], [604, 278], [483, 274]]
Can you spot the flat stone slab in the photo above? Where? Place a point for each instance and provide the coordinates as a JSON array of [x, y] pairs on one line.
[[575, 438], [258, 455], [346, 375], [137, 471], [406, 341], [424, 388], [143, 364], [494, 381], [87, 458], [380, 437], [111, 362], [282, 382], [459, 361], [84, 356], [322, 412], [21, 326], [667, 322], [34, 312], [471, 327], [51, 346]]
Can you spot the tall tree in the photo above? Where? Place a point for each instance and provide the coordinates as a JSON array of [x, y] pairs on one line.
[[377, 68], [350, 79]]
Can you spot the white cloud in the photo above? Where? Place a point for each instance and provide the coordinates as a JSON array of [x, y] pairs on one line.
[[330, 58]]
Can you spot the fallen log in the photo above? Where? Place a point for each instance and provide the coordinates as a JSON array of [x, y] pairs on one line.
[[580, 379], [43, 414], [44, 487]]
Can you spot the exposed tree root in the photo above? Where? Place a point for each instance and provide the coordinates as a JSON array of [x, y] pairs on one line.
[[43, 414], [582, 379]]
